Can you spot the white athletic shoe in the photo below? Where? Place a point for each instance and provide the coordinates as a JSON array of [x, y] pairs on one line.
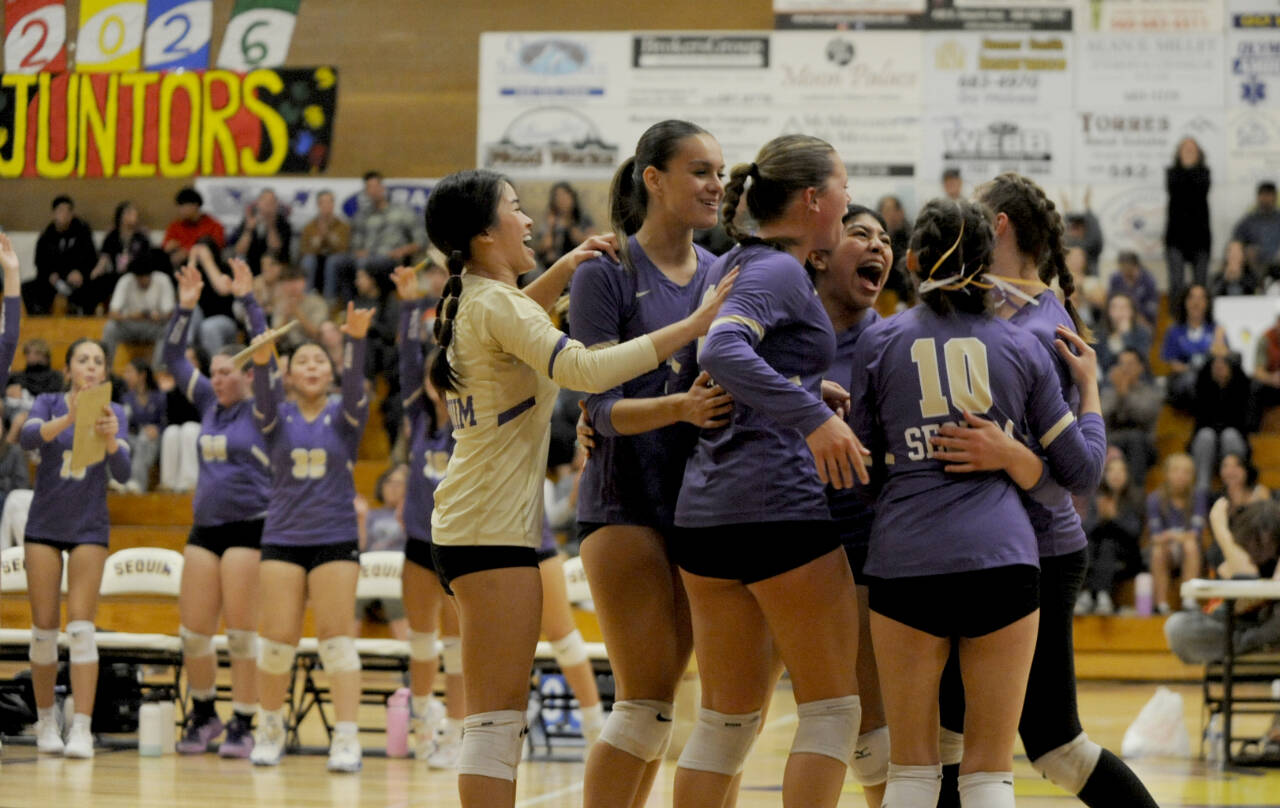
[[79, 743], [48, 738], [268, 740], [424, 730], [1105, 606], [345, 753], [1084, 602], [448, 748]]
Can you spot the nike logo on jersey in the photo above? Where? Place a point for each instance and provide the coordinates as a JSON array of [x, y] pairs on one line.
[[642, 293]]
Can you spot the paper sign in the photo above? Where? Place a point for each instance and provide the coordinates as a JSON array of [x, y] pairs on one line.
[[88, 447]]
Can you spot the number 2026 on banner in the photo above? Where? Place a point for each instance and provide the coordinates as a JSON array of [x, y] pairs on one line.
[[35, 36], [110, 39], [178, 34]]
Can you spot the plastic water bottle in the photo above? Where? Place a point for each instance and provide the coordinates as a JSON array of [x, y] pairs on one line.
[[151, 735], [398, 723], [1143, 589], [1216, 753]]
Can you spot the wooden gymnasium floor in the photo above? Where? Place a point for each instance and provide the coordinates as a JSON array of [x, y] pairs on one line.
[[120, 778]]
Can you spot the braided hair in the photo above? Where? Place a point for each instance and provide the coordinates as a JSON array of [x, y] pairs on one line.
[[462, 206], [954, 238], [1039, 230], [785, 166]]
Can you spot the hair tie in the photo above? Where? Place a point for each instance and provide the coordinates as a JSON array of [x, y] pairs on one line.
[[754, 171]]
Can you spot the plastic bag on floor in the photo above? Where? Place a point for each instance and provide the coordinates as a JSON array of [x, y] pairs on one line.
[[1160, 729]]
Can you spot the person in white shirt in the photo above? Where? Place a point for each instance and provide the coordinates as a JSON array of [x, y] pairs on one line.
[[140, 306]]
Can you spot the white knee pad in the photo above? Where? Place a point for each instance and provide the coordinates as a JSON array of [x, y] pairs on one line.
[[242, 644], [451, 655], [569, 650], [913, 785], [870, 761], [986, 790], [640, 727], [44, 646], [720, 742], [195, 646], [950, 746], [338, 655], [422, 645], [275, 657], [1070, 765], [828, 727], [492, 744], [80, 641]]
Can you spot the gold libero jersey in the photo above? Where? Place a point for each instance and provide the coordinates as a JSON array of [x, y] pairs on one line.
[[512, 361]]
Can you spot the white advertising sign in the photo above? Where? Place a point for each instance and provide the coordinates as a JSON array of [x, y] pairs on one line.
[[1151, 15], [984, 144], [1021, 70], [1122, 146], [1160, 70]]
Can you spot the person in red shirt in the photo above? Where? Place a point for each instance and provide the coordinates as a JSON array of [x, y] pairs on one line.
[[192, 227]]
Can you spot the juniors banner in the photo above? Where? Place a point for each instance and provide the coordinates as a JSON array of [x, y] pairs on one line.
[[35, 36], [167, 124], [178, 33], [258, 34], [110, 37]]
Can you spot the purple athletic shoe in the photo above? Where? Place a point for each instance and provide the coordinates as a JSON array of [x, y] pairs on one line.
[[198, 734], [239, 740]]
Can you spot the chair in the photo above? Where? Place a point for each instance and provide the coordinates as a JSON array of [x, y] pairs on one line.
[[380, 573], [13, 571], [143, 571], [575, 579]]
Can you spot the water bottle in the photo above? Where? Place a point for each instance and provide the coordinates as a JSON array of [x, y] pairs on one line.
[[151, 736], [1143, 587], [1215, 754], [398, 723]]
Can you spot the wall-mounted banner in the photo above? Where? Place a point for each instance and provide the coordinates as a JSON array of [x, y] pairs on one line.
[[178, 34], [1253, 56], [1017, 70], [35, 36], [1161, 70], [225, 198], [1253, 144], [984, 144], [258, 34], [841, 68], [1126, 146], [1151, 15], [974, 15], [170, 125], [110, 39]]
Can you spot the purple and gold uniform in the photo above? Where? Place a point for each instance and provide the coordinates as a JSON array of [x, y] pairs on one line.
[[631, 479], [850, 511], [70, 508], [430, 444], [921, 372], [12, 314]]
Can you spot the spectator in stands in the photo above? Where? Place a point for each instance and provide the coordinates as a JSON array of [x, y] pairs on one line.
[[1250, 543], [1090, 295], [566, 224], [291, 301], [1133, 279], [13, 465], [377, 291], [140, 306], [193, 226], [213, 323], [1224, 411], [384, 235], [145, 405], [1186, 232], [1083, 231], [952, 183], [1114, 527], [38, 377], [323, 239], [1259, 231], [179, 442], [1121, 330], [1189, 342], [127, 242], [265, 228], [1239, 480], [1175, 523], [1236, 278], [379, 530], [65, 257], [899, 230], [1266, 366], [1130, 406]]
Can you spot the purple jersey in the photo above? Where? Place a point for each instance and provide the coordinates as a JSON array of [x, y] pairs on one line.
[[631, 479], [383, 531], [430, 443], [66, 507], [149, 414], [548, 538], [313, 494], [235, 472], [849, 509], [1163, 515], [768, 348], [12, 314], [921, 371]]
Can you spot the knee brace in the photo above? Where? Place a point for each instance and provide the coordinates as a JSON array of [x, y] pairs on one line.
[[195, 646], [1070, 765], [451, 655], [950, 746], [338, 655], [80, 641], [720, 742], [987, 789], [828, 727], [913, 785], [422, 646], [640, 727], [569, 650], [870, 762], [242, 644], [44, 646], [275, 657], [492, 744]]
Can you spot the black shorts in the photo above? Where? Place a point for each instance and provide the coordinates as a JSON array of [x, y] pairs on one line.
[[418, 551], [547, 555], [587, 528], [753, 551], [218, 539], [61, 546], [857, 554], [453, 562], [310, 557], [959, 604]]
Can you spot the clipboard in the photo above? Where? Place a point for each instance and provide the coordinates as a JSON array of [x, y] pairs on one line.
[[87, 446], [245, 356]]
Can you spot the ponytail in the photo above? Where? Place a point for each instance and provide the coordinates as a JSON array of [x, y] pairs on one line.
[[442, 374], [951, 243], [733, 191], [784, 167]]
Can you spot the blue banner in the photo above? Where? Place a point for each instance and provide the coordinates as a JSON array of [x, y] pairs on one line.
[[178, 34]]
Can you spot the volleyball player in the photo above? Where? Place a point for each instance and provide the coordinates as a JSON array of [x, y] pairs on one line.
[[500, 362], [760, 560], [220, 561], [309, 543], [932, 541], [68, 514], [1027, 258], [671, 187]]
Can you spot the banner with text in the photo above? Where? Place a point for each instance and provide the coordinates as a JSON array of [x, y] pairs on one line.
[[178, 34], [110, 39], [1014, 70], [258, 34], [35, 36], [976, 15]]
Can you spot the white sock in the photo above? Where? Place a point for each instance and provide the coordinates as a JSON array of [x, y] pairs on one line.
[[345, 728], [986, 790], [46, 714], [81, 721], [206, 694], [421, 704], [912, 786], [593, 717], [241, 708]]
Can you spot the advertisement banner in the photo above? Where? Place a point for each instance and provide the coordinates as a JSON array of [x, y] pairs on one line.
[[537, 69], [1122, 146], [1023, 71], [841, 68], [178, 34], [984, 144], [35, 36], [1253, 55], [225, 198], [1162, 70], [1253, 144], [110, 39], [1150, 16], [974, 15]]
